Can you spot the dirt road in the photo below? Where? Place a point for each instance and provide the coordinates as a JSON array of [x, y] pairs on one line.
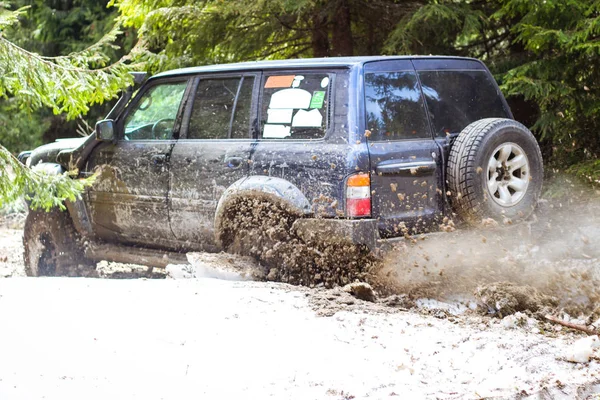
[[73, 338]]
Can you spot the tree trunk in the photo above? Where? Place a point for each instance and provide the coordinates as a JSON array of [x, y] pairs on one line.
[[342, 30], [320, 39]]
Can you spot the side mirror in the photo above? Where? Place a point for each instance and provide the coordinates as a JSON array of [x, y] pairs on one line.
[[105, 130]]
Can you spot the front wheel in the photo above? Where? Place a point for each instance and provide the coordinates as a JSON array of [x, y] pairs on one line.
[[495, 170], [53, 246]]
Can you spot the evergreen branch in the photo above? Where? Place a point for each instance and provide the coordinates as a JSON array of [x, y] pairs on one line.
[[107, 40], [40, 189], [48, 60], [38, 82]]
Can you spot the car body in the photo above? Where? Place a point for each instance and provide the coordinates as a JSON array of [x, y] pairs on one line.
[[356, 147]]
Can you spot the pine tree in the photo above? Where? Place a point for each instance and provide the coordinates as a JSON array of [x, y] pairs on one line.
[[66, 84], [545, 52]]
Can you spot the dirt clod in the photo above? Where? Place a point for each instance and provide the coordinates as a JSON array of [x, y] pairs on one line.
[[506, 298], [361, 290]]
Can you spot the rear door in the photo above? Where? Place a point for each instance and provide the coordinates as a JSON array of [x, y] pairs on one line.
[[405, 160], [212, 153], [128, 201]]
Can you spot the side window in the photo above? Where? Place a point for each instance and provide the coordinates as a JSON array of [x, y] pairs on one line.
[[222, 109], [394, 106], [457, 98], [295, 106], [154, 115]]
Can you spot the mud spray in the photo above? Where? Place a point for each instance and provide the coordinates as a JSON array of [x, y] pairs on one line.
[[549, 264], [545, 265]]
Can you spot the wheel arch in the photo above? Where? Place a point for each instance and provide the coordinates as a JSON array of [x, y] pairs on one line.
[[276, 190]]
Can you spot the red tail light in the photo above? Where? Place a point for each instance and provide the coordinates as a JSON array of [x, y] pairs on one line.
[[358, 195]]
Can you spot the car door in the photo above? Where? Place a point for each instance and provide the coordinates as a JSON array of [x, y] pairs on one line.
[[405, 160], [212, 153], [128, 201]]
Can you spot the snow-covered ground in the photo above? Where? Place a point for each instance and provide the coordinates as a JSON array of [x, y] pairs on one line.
[[78, 338], [85, 338]]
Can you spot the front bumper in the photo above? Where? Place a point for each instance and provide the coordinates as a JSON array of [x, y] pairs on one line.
[[339, 231]]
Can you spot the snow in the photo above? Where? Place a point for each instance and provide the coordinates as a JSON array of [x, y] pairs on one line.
[[582, 350], [81, 338]]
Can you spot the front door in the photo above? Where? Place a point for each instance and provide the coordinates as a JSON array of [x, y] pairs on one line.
[[405, 160], [128, 201], [213, 153]]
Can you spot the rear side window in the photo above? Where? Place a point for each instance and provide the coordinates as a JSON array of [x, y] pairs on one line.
[[457, 98], [295, 106], [394, 106], [222, 109]]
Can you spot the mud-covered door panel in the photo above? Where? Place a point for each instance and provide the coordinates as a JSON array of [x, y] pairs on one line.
[[294, 146], [128, 201], [405, 160], [212, 155]]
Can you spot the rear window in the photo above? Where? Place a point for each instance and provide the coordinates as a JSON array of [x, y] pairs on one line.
[[295, 106], [394, 106], [457, 98]]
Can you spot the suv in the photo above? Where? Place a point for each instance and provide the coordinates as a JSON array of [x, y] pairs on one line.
[[357, 151]]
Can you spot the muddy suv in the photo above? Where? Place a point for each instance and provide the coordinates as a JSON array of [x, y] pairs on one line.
[[247, 157]]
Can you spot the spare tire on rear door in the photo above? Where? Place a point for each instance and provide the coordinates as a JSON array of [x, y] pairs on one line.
[[495, 171]]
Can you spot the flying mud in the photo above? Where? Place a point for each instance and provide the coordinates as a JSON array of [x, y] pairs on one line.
[[545, 265]]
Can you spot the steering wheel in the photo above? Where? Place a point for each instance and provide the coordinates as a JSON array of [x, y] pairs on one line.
[[155, 128]]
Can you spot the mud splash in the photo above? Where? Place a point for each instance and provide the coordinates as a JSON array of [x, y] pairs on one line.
[[263, 229], [549, 263]]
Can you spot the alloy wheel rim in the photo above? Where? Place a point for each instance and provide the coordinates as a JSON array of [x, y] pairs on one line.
[[508, 174]]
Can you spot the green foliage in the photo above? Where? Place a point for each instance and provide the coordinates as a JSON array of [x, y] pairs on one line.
[[436, 28], [66, 84], [40, 189], [20, 129], [179, 33], [587, 170], [545, 51]]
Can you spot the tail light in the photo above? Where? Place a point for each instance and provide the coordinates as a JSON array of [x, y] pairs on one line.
[[358, 195]]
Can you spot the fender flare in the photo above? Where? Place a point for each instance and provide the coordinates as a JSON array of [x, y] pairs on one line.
[[271, 188]]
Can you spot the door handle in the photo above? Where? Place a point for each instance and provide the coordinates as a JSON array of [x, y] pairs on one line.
[[234, 162], [408, 169], [158, 159]]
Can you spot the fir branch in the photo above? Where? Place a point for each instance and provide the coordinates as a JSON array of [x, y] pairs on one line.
[[39, 189]]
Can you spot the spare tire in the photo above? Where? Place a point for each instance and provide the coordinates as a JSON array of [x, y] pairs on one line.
[[495, 170]]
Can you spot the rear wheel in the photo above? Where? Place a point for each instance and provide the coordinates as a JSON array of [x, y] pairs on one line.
[[263, 229], [495, 171], [52, 246]]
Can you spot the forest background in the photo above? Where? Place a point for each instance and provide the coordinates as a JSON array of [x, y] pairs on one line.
[[63, 62]]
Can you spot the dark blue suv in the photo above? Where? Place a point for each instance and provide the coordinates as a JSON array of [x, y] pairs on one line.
[[346, 150]]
